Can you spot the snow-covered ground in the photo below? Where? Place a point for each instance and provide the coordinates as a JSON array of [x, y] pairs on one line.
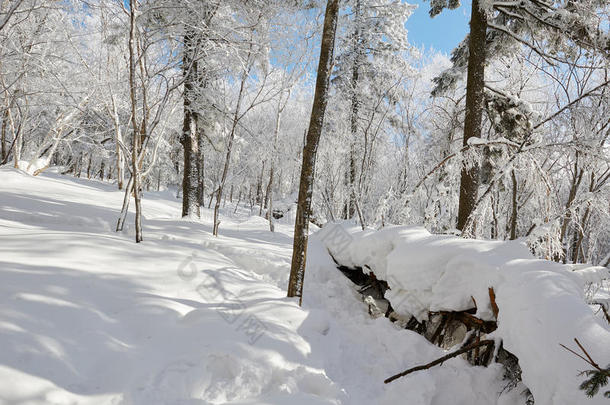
[[89, 317]]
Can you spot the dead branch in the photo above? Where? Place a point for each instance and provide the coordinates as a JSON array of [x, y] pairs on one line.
[[441, 360], [492, 299]]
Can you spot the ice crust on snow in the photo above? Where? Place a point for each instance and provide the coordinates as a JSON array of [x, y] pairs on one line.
[[541, 303]]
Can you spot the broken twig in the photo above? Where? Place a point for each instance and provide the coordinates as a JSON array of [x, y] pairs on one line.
[[441, 360]]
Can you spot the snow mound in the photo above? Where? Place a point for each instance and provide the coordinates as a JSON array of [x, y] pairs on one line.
[[541, 303]]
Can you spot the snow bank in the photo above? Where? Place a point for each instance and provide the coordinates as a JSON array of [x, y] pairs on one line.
[[541, 303]]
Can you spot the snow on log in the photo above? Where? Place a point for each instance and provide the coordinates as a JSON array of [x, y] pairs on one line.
[[541, 303]]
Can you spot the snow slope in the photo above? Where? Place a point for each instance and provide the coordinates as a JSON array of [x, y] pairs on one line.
[[89, 317]]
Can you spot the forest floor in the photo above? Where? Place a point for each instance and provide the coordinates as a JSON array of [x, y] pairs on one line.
[[89, 317]]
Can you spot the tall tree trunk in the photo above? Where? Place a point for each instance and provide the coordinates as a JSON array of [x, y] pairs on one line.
[[355, 109], [238, 201], [136, 132], [574, 186], [259, 191], [125, 208], [3, 137], [577, 254], [301, 228], [120, 159], [469, 181], [17, 141], [200, 163], [89, 166], [513, 215], [189, 139], [269, 193]]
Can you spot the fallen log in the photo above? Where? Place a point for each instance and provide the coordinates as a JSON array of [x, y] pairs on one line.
[[441, 360], [444, 328]]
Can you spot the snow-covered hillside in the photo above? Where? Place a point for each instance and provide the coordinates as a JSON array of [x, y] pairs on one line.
[[89, 317]]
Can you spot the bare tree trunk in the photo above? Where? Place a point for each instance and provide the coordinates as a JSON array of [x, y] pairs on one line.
[[513, 216], [494, 213], [125, 208], [576, 180], [360, 217], [136, 132], [189, 139], [78, 165], [250, 199], [200, 163], [120, 160], [238, 201], [17, 142], [89, 164], [578, 254], [268, 191], [301, 228], [102, 170], [3, 137], [259, 191], [270, 205], [354, 111], [469, 181]]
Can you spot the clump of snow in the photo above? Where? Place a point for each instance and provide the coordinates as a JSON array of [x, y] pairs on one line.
[[591, 274], [542, 303]]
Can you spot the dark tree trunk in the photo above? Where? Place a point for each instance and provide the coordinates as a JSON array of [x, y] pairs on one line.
[[469, 181], [4, 155], [574, 186], [259, 191], [200, 163], [189, 141], [102, 170], [301, 229], [354, 111], [89, 164], [513, 216], [137, 192]]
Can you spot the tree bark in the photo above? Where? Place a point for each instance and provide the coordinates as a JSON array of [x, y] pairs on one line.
[[3, 137], [120, 160], [469, 181], [259, 191], [189, 141], [513, 216], [136, 132], [301, 229], [355, 110]]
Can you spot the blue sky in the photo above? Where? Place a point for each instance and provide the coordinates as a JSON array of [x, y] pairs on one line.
[[442, 32]]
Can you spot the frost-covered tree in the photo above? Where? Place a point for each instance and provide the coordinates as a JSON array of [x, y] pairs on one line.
[[369, 72], [550, 29]]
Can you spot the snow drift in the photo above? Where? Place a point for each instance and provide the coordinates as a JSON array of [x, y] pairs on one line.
[[541, 303]]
